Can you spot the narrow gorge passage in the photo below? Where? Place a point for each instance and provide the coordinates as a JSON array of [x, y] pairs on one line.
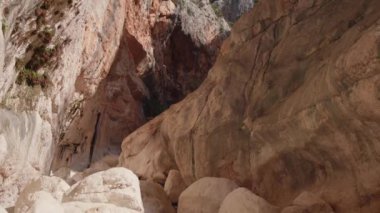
[[157, 64], [188, 106]]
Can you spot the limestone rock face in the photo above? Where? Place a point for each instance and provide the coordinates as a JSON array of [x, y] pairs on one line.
[[117, 186], [154, 198], [244, 201], [56, 54], [205, 195], [290, 105], [174, 185], [24, 137], [54, 186]]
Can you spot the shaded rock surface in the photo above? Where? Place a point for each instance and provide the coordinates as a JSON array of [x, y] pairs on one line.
[[154, 198], [174, 185], [290, 105], [244, 201], [205, 195], [308, 202]]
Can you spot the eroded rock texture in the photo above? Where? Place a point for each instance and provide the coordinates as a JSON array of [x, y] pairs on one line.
[[292, 104]]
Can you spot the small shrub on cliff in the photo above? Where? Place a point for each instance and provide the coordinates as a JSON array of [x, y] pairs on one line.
[[218, 12], [47, 34], [31, 78], [4, 27], [46, 4], [40, 57]]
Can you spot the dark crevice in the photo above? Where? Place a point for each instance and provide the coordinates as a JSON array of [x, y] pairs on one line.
[[93, 141], [180, 69]]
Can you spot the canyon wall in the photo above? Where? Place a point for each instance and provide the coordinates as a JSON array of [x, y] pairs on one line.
[[290, 105], [165, 53], [55, 55], [287, 106]]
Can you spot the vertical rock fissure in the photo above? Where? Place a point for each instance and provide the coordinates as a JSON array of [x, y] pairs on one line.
[[192, 133], [252, 74], [93, 141]]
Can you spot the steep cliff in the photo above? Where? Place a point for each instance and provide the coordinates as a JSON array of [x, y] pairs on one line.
[[55, 55], [292, 104], [283, 116]]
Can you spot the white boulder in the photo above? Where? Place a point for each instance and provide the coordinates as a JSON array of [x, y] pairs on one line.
[[54, 186], [117, 186], [39, 202]]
